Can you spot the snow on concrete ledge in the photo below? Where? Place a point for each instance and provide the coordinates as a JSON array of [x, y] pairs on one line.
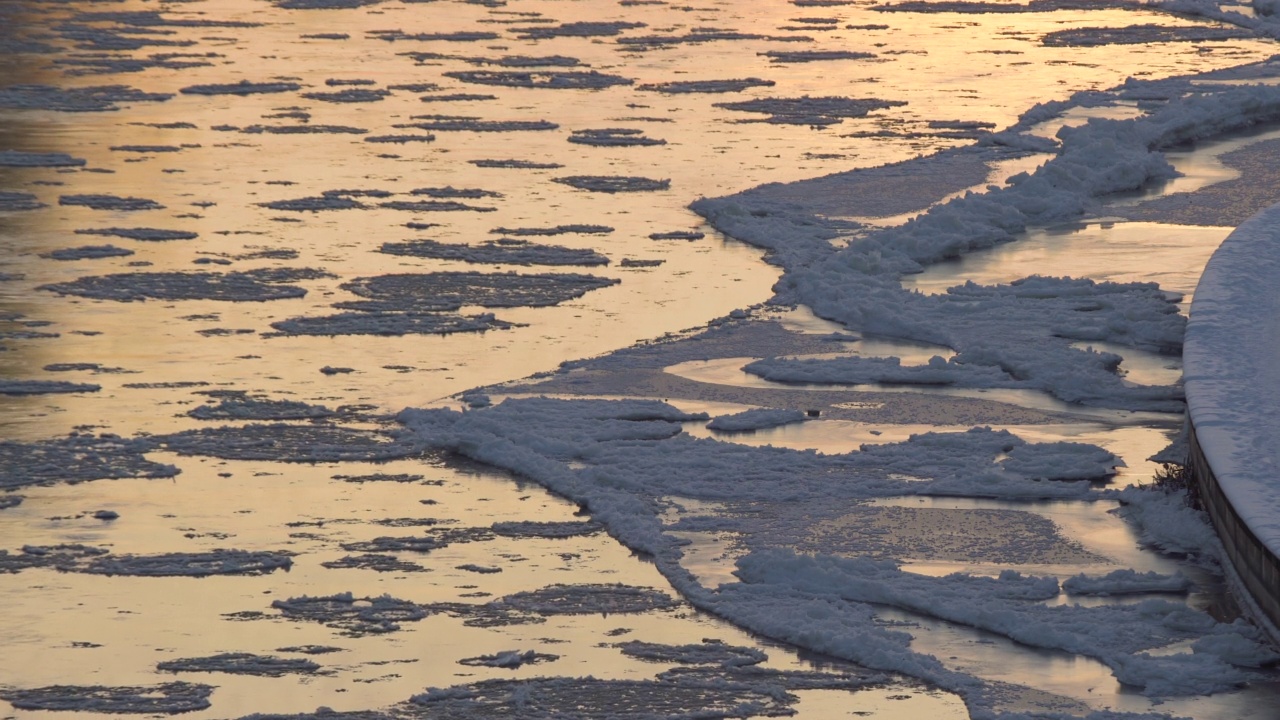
[[1232, 374]]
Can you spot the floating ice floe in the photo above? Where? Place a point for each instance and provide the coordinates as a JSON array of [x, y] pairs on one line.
[[354, 616], [289, 443], [87, 252], [461, 36], [1140, 34], [389, 323], [373, 561], [421, 292], [77, 458], [475, 124], [549, 79], [614, 137], [400, 139], [433, 539], [701, 35], [110, 202], [82, 99], [202, 564], [755, 419], [500, 252], [381, 477], [457, 97], [805, 56], [19, 158], [244, 87], [569, 698], [296, 129], [246, 286], [65, 557], [241, 664], [349, 95], [578, 29], [511, 659], [553, 530], [13, 201], [677, 235], [43, 387], [145, 234], [242, 407], [170, 698], [708, 652], [706, 86], [516, 164], [818, 111], [588, 599], [613, 183], [1127, 582], [556, 230], [146, 148], [10, 501]]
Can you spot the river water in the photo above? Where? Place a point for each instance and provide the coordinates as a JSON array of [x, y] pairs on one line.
[[401, 122]]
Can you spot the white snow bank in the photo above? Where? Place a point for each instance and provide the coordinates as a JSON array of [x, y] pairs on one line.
[[1232, 377]]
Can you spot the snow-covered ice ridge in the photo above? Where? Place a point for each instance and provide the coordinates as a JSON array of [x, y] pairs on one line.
[[1233, 388]]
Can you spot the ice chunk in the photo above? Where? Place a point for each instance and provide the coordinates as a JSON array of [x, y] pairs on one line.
[[241, 664], [174, 697], [504, 252], [613, 183], [19, 158], [755, 419], [1126, 582], [214, 562]]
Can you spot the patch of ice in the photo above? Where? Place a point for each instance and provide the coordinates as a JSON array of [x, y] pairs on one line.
[[614, 137], [170, 698], [247, 286], [516, 164], [244, 87], [241, 664], [554, 530], [583, 698], [1139, 34], [806, 56], [578, 29], [213, 562], [511, 659], [18, 158], [588, 599], [355, 617], [145, 234], [43, 387], [373, 561], [242, 407], [677, 235], [98, 98], [110, 202], [1126, 582], [706, 86], [755, 419], [389, 323], [11, 201], [557, 230], [289, 443], [816, 111], [87, 252], [546, 79], [446, 123], [422, 292], [613, 183], [501, 252], [349, 95], [708, 652]]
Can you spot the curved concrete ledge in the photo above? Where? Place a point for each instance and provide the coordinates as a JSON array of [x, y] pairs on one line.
[[1231, 365]]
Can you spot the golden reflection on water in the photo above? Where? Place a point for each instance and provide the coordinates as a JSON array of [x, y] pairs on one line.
[[945, 66]]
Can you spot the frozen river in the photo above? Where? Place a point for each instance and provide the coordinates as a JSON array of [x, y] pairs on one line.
[[241, 237]]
